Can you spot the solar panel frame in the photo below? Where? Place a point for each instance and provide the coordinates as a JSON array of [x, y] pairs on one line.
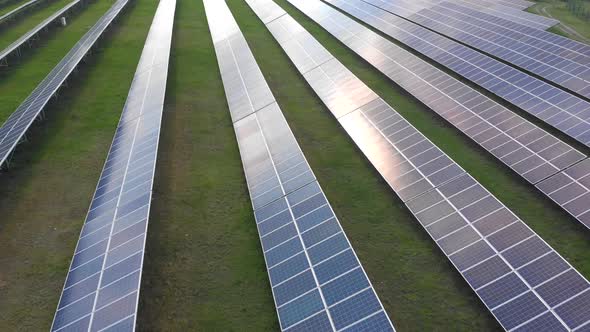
[[459, 195], [15, 127], [316, 278], [101, 291]]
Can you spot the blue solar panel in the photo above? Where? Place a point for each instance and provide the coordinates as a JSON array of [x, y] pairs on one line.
[[103, 282]]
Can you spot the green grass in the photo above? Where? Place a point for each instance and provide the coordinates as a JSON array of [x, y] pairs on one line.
[[558, 10], [20, 27], [46, 195], [204, 268]]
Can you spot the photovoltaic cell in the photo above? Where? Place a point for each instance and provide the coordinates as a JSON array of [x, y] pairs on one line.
[[564, 111], [492, 262], [102, 287], [318, 283], [14, 129]]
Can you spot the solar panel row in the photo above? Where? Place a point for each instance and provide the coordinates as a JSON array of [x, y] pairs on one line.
[[27, 37], [516, 274], [101, 290], [317, 281], [13, 130], [18, 10], [507, 12], [570, 189], [558, 69], [566, 112], [553, 57]]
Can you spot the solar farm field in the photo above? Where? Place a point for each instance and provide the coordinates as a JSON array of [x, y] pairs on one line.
[[122, 210]]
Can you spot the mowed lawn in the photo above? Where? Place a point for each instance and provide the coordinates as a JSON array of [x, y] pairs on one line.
[[204, 268]]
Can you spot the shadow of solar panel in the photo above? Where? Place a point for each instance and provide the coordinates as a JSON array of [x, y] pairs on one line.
[[102, 287]]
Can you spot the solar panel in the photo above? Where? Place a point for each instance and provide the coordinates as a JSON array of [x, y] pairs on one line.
[[14, 129], [317, 281], [496, 253], [553, 57], [28, 36], [529, 151], [566, 112], [102, 287]]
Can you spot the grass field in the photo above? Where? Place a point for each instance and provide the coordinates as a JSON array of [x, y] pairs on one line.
[[204, 268], [557, 9]]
